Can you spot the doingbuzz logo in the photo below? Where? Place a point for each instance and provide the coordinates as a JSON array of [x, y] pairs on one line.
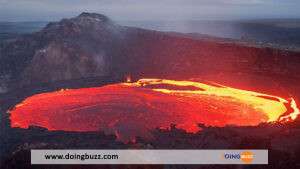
[[246, 156]]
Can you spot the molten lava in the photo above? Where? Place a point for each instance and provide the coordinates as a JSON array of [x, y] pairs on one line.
[[133, 109], [128, 79], [293, 115]]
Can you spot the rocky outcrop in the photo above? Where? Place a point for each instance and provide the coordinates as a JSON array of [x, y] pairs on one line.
[[70, 49], [91, 45]]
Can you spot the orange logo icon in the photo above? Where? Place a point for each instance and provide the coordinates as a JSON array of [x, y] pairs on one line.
[[247, 156]]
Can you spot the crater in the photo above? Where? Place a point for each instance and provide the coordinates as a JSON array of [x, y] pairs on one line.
[[134, 109]]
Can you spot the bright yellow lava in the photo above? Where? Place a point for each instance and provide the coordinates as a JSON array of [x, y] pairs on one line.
[[272, 106], [293, 115]]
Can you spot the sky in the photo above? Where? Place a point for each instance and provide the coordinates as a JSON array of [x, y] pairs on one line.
[[52, 10]]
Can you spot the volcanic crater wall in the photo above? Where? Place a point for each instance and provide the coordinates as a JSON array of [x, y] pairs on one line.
[[92, 45]]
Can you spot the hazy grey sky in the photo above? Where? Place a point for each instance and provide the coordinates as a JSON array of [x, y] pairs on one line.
[[45, 10]]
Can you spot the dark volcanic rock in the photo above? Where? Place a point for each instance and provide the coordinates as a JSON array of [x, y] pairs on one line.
[[91, 45], [70, 49]]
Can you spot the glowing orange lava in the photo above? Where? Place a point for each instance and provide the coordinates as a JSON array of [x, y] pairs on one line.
[[292, 116], [133, 109], [128, 79]]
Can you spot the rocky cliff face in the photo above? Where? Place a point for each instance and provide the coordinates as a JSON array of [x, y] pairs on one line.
[[92, 45], [72, 48]]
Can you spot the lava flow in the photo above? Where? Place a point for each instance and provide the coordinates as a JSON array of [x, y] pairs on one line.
[[133, 109]]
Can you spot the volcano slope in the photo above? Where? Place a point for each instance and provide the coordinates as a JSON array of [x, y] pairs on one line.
[[91, 45]]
